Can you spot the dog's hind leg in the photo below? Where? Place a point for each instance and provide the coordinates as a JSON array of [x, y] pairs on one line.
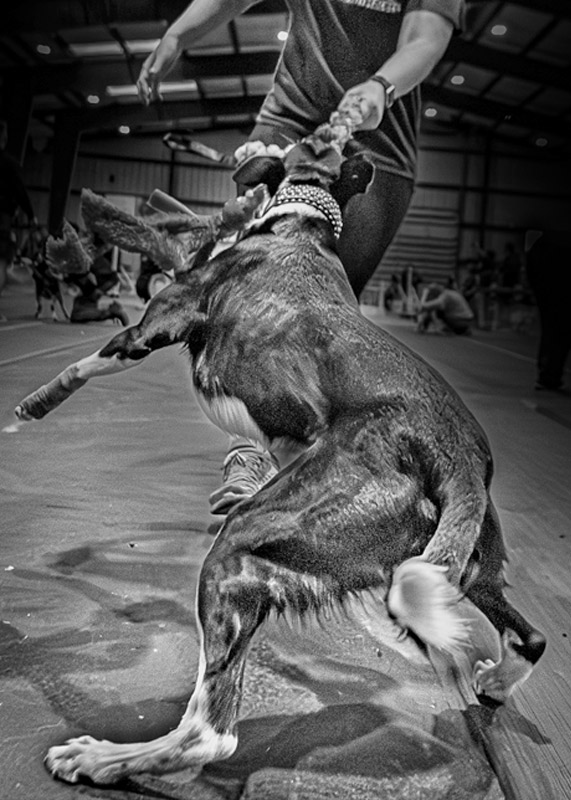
[[234, 597], [521, 644]]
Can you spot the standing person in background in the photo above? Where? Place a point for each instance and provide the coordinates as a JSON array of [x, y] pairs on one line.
[[548, 267], [510, 268], [13, 196], [339, 54]]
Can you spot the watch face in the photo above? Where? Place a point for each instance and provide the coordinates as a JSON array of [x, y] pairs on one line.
[[388, 87]]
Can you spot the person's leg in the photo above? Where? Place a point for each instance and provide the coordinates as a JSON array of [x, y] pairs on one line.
[[370, 222], [246, 468], [5, 257], [555, 337]]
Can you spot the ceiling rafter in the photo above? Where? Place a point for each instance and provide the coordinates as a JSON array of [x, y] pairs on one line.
[[491, 109], [496, 60], [94, 76]]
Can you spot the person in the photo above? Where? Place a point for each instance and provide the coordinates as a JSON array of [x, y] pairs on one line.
[[449, 306], [13, 196], [339, 54], [510, 269], [106, 277], [548, 270]]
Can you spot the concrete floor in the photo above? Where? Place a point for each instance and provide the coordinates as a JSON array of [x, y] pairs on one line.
[[105, 524]]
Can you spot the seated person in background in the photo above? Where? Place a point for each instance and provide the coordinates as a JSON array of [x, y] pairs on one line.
[[446, 305]]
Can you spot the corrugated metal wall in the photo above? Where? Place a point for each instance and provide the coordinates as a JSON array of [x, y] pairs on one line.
[[466, 191]]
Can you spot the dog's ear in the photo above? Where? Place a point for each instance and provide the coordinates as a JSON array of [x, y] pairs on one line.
[[261, 169], [356, 175]]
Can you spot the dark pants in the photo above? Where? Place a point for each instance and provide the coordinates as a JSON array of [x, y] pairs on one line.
[[370, 220], [549, 276]]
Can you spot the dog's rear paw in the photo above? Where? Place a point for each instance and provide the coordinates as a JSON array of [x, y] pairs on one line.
[[79, 758], [498, 679]]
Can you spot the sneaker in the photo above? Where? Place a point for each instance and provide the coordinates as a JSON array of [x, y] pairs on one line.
[[245, 470]]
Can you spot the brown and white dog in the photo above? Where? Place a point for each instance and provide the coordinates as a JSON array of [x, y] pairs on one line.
[[387, 485]]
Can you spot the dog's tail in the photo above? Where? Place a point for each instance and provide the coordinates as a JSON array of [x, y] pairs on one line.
[[423, 601]]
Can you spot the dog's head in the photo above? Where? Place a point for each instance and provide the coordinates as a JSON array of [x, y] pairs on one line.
[[313, 171]]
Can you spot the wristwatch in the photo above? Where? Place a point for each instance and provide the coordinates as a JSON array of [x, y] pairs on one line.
[[388, 87]]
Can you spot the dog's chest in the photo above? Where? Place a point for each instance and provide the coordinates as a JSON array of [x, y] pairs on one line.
[[230, 414], [266, 396]]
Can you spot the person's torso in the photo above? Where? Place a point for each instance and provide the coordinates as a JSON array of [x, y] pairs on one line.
[[332, 46], [455, 305]]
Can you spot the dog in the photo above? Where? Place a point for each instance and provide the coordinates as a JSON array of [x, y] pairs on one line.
[[47, 287], [386, 483]]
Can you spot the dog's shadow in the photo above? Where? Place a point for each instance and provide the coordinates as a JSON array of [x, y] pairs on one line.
[[353, 745], [349, 729]]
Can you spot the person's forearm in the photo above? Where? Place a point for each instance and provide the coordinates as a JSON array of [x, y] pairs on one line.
[[203, 16], [431, 305], [423, 40]]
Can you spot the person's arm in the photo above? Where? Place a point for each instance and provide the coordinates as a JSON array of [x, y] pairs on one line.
[[198, 19], [423, 39], [431, 305]]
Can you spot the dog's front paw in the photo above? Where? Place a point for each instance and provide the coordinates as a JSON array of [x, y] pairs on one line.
[[498, 679], [79, 758]]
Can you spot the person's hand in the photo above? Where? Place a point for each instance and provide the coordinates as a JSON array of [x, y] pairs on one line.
[[365, 104], [257, 148], [156, 66]]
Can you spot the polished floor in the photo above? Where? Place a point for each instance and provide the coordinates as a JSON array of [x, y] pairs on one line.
[[105, 523]]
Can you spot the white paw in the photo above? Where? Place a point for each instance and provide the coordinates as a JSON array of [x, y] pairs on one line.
[[498, 679], [80, 757], [485, 678]]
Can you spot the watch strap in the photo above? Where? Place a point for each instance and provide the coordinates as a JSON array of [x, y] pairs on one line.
[[388, 87]]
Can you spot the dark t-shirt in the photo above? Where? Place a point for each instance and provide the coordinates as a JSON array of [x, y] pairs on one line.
[[334, 45]]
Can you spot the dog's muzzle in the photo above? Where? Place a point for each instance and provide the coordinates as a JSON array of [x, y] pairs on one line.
[[313, 196]]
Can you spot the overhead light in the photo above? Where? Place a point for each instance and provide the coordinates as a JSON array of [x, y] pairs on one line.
[[124, 129], [282, 35], [112, 48], [430, 112], [127, 90], [92, 49], [44, 49], [457, 80], [93, 99], [499, 30], [142, 46], [541, 141], [169, 87]]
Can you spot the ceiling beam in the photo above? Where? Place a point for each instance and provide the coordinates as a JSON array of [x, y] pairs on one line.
[[560, 8], [169, 112], [532, 70], [51, 15], [497, 112], [166, 112], [95, 76]]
